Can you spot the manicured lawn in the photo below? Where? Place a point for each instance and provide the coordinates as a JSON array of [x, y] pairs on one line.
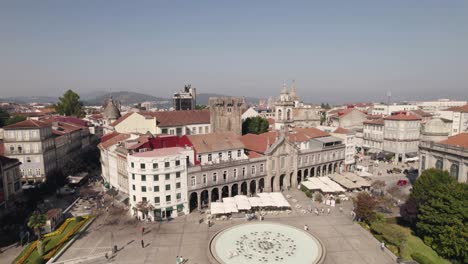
[[413, 243], [49, 243]]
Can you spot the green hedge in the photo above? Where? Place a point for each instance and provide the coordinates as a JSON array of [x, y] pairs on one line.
[[421, 259]]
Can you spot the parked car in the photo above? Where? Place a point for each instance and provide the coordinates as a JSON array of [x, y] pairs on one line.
[[402, 182]]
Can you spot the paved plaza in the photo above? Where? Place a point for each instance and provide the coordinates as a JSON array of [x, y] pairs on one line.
[[344, 240]]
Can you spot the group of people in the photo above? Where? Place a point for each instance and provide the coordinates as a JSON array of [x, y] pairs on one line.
[[180, 260], [321, 211]]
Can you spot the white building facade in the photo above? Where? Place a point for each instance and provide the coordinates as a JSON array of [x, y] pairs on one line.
[[159, 178], [386, 110]]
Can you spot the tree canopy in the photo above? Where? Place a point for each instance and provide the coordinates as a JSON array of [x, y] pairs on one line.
[[255, 125], [69, 104], [438, 211], [6, 119], [36, 221], [4, 116], [365, 207]]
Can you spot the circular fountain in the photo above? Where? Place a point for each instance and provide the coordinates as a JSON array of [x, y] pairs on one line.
[[265, 243]]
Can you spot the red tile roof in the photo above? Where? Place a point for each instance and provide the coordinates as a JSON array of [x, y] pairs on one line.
[[259, 143], [30, 123], [106, 137], [341, 130], [253, 154], [342, 112], [173, 118], [374, 122], [215, 142], [374, 116], [114, 140], [63, 125], [463, 109], [403, 117], [312, 132], [460, 140]]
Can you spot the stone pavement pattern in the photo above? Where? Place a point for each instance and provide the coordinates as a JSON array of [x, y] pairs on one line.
[[344, 240]]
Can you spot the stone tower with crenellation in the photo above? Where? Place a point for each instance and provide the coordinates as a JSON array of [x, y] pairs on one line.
[[226, 114]]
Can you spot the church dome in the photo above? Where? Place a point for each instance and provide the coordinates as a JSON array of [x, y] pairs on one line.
[[111, 111]]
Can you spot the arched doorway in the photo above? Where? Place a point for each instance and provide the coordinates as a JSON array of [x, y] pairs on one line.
[[335, 168], [290, 178], [272, 183], [204, 198], [281, 183], [330, 168], [225, 192], [193, 204], [253, 187], [306, 174], [214, 195], [319, 171], [324, 170], [261, 184], [312, 172], [234, 190], [299, 177], [244, 188]]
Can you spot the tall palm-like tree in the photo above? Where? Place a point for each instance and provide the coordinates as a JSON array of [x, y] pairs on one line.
[[36, 222]]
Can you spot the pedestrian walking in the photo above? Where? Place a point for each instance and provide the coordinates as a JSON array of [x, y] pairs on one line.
[[306, 228], [328, 210], [181, 259], [341, 209], [142, 230], [177, 260], [142, 244], [382, 246]]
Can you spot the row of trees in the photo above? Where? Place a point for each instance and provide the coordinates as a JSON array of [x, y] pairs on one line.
[[437, 211]]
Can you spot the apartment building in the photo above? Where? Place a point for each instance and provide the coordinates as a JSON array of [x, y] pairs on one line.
[[373, 133], [401, 135], [32, 142], [44, 145]]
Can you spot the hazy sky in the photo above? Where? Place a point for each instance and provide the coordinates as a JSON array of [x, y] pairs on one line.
[[335, 50]]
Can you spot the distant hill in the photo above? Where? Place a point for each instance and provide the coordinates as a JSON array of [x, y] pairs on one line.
[[202, 99], [30, 99], [126, 98]]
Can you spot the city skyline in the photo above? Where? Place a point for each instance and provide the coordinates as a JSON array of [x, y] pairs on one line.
[[353, 51]]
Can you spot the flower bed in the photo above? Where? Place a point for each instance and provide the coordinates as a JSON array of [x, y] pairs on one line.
[[61, 228], [27, 253], [64, 239], [53, 243]]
